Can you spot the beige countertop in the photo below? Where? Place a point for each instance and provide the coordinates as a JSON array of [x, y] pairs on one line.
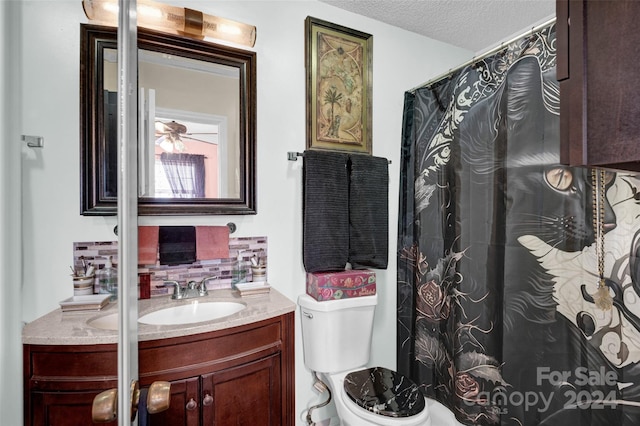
[[71, 328]]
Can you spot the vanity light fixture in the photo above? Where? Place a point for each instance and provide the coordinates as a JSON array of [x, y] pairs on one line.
[[182, 20]]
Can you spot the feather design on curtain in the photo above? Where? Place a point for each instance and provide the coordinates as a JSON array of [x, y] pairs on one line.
[[496, 243]]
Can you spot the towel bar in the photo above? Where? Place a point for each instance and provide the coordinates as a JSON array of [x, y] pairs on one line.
[[293, 156]]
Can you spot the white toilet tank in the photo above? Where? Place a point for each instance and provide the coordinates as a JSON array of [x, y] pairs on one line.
[[336, 334]]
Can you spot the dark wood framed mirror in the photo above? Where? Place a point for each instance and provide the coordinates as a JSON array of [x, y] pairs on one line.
[[197, 114]]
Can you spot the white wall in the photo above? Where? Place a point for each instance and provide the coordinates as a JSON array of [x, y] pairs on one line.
[[50, 108]]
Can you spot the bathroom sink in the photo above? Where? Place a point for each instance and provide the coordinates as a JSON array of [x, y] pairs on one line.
[[191, 313], [106, 322], [175, 315]]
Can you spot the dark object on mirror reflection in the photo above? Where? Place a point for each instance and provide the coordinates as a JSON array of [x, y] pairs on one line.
[[145, 286], [177, 245]]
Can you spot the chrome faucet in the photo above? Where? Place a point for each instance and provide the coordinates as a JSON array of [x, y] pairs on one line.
[[192, 289]]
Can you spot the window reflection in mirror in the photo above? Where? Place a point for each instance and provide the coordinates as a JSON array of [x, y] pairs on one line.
[[196, 126], [188, 166]]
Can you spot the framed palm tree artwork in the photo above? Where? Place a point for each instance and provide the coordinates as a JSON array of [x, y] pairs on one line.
[[338, 62]]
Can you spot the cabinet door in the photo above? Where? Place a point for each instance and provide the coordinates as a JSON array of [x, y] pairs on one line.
[[62, 408], [184, 408], [249, 394], [599, 83]]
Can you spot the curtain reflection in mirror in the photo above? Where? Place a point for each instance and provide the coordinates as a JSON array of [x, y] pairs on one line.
[[184, 174]]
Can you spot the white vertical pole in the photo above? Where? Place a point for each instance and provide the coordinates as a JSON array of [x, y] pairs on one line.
[[11, 401], [151, 143], [143, 146], [127, 207]]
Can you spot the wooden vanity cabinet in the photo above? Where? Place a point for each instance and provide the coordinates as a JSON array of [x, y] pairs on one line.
[[60, 382], [597, 59], [242, 375]]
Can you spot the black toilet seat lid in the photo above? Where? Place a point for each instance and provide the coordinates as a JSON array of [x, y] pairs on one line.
[[385, 392]]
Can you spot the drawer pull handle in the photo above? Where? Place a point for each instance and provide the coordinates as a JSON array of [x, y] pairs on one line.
[[207, 400], [192, 405]]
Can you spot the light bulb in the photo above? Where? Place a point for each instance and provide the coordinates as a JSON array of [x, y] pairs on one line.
[[225, 29], [177, 19], [166, 145]]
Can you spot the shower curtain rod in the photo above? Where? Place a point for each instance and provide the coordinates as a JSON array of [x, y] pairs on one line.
[[483, 55]]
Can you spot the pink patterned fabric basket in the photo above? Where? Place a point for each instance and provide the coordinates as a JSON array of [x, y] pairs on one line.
[[341, 285]]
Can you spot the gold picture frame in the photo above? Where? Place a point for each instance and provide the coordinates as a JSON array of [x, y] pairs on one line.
[[338, 62]]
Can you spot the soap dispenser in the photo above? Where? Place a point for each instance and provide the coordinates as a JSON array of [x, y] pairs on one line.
[[108, 280], [239, 271]]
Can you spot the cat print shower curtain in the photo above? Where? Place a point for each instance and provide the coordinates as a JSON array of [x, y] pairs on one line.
[[497, 262]]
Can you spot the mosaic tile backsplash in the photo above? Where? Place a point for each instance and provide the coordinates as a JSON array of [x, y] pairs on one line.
[[97, 252]]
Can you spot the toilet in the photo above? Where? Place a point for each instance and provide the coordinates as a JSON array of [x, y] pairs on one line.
[[336, 336]]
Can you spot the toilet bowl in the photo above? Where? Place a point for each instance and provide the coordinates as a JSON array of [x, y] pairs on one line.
[[336, 337]]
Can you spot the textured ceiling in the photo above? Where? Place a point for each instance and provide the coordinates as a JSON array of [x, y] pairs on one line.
[[476, 25]]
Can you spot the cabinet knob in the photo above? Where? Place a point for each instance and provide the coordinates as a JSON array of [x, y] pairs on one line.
[[207, 400], [105, 405], [192, 405], [158, 397]]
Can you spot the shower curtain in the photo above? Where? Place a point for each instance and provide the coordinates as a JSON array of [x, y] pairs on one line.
[[497, 254]]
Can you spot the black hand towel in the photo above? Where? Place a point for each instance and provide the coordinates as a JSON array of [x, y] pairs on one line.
[[143, 413], [177, 245], [325, 211], [369, 212]]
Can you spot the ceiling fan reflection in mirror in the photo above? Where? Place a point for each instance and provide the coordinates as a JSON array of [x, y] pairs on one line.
[[170, 136]]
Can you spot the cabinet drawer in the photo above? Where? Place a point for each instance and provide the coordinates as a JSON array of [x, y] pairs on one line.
[[80, 367], [62, 408], [209, 352]]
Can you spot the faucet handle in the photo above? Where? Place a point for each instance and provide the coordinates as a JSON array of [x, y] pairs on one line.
[[177, 290], [202, 288]]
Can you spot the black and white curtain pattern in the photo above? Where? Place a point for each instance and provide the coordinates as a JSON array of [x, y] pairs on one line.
[[497, 256]]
